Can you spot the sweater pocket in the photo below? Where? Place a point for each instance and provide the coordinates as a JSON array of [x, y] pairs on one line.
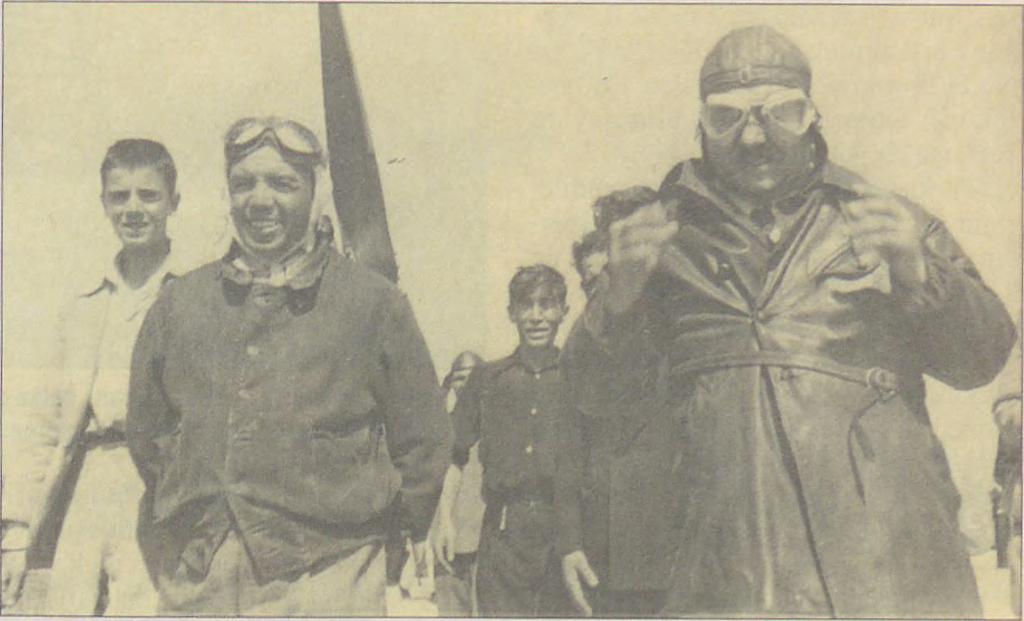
[[350, 473]]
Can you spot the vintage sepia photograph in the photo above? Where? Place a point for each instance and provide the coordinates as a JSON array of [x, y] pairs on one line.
[[511, 310]]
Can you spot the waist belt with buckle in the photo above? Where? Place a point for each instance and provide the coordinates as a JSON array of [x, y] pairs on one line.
[[530, 497]]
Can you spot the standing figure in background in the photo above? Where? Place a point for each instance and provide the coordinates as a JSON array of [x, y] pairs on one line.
[[97, 542], [513, 407], [1006, 410], [615, 493], [455, 576], [590, 255], [261, 387], [785, 313]]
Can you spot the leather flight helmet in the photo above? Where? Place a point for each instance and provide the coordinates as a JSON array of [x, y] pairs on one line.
[[753, 56]]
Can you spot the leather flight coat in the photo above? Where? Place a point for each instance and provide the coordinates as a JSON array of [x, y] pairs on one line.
[[807, 477]]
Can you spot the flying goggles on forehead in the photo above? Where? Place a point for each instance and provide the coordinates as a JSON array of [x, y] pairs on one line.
[[247, 135], [790, 115]]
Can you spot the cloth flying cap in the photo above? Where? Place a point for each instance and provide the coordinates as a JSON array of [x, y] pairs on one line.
[[754, 56]]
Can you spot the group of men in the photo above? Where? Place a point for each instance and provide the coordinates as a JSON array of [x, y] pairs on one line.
[[735, 426]]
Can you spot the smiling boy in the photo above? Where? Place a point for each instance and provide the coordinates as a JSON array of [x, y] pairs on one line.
[[511, 406], [97, 541]]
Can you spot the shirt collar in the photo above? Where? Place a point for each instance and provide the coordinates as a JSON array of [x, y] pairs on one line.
[[112, 280], [548, 360]]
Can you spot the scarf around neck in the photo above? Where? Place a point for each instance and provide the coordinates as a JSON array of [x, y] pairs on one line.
[[300, 269]]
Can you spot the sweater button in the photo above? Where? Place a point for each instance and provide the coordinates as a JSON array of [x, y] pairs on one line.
[[252, 351], [529, 449], [245, 393]]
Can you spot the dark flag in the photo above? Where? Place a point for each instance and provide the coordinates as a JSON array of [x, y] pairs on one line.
[[358, 195]]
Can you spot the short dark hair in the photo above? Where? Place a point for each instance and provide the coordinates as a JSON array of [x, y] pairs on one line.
[[620, 204], [132, 153], [532, 277], [590, 244]]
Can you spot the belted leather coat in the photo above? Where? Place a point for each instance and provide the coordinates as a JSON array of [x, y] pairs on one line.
[[806, 476]]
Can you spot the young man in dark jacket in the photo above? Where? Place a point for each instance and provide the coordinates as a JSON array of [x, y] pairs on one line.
[[513, 407], [614, 492]]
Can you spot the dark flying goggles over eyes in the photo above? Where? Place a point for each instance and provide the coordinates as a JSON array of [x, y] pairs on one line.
[[248, 135], [791, 116]]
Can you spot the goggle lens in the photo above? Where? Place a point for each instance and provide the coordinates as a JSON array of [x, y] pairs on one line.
[[792, 116], [720, 118]]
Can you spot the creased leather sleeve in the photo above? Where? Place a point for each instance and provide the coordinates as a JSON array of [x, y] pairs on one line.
[[963, 331]]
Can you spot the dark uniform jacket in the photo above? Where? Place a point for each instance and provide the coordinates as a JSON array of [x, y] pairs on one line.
[[809, 477], [270, 415], [615, 493], [512, 410]]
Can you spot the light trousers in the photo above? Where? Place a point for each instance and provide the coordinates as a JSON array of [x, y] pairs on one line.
[[351, 586], [98, 542]]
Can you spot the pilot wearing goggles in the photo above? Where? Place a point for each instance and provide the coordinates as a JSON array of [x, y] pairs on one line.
[[781, 324], [283, 410]]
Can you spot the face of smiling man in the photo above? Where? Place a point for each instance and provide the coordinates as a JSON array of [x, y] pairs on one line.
[[537, 316], [138, 202], [271, 202]]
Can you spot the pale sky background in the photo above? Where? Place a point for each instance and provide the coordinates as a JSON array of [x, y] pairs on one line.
[[495, 128]]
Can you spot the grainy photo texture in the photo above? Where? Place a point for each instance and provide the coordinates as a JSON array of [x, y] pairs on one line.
[[511, 310]]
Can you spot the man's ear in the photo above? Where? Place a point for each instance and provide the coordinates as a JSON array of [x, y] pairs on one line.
[[174, 202], [511, 313]]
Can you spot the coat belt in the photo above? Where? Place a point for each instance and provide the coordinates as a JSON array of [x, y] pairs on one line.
[[886, 382]]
